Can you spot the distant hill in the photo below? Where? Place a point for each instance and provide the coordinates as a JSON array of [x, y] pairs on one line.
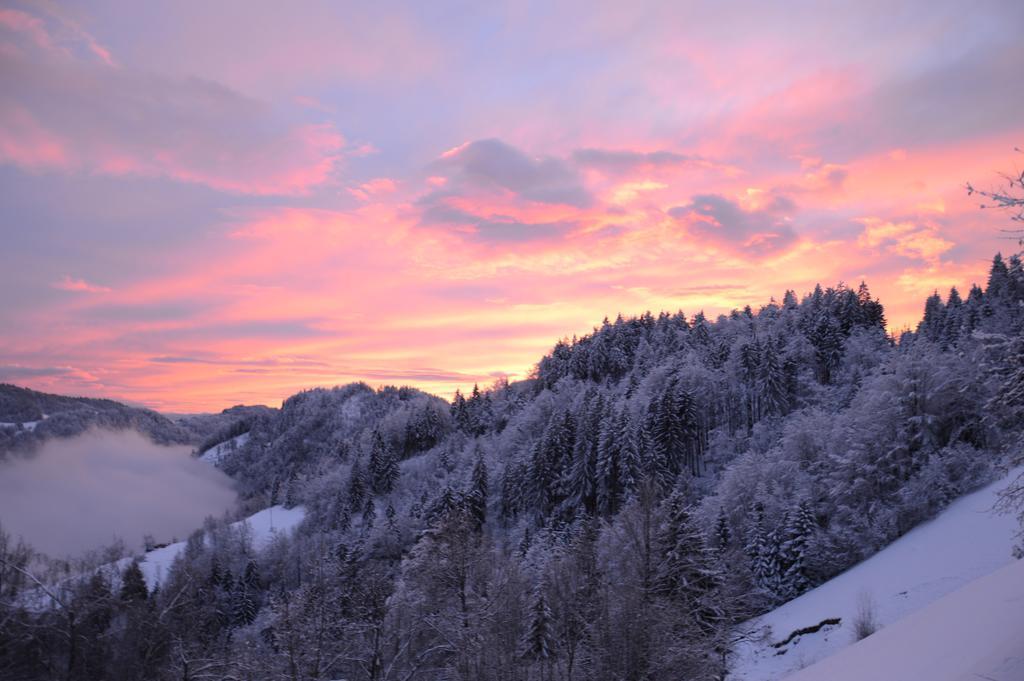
[[28, 417]]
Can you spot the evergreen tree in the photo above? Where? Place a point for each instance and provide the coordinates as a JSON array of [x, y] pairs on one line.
[[998, 278], [133, 584], [933, 323], [773, 384], [794, 551], [369, 514], [356, 487], [762, 550], [538, 642], [723, 533], [244, 597], [634, 450], [383, 467], [609, 474], [827, 340], [687, 573], [580, 484], [476, 496]]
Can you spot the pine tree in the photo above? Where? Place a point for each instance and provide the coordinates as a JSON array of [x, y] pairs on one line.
[[356, 487], [609, 485], [476, 496], [445, 507], [133, 584], [460, 414], [723, 533], [244, 605], [773, 389], [369, 514], [827, 339], [674, 431], [687, 575], [998, 278], [631, 466], [383, 467], [762, 550], [794, 551], [580, 481], [934, 321], [389, 515], [538, 642]]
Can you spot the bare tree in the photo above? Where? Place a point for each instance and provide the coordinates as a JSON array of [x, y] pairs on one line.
[[1010, 197]]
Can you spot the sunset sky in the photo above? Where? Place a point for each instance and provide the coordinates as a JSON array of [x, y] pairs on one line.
[[205, 204]]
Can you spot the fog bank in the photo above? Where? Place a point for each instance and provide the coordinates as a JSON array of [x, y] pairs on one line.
[[81, 493]]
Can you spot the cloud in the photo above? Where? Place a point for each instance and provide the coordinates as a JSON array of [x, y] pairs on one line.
[[910, 239], [494, 227], [79, 494], [367, 190], [759, 231], [627, 161], [13, 372], [61, 111], [493, 164], [78, 286], [156, 311]]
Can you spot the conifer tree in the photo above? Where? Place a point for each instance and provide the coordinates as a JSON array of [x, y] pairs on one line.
[[356, 487], [383, 467], [609, 474], [243, 602], [538, 642], [133, 584], [476, 496], [773, 389], [723, 533], [687, 573], [794, 551]]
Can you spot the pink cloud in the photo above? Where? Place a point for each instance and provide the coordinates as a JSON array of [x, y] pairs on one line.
[[380, 185], [78, 286], [63, 112]]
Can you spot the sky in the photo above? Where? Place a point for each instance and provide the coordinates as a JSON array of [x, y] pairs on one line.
[[205, 204]]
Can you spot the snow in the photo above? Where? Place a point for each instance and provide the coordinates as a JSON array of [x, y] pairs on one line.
[[263, 527], [26, 425], [976, 632], [214, 455], [965, 542]]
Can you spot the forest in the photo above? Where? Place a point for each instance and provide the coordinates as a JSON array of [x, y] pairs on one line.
[[652, 485]]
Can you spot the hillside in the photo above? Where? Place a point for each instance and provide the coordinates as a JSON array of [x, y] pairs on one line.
[[976, 632], [27, 417], [965, 542], [655, 484]]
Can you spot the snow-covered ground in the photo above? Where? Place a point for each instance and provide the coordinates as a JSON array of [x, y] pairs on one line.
[[214, 455], [26, 425], [263, 526], [965, 542], [974, 633]]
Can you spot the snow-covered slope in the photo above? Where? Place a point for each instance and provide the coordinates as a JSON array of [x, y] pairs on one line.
[[214, 455], [263, 526], [25, 425], [976, 632], [965, 542]]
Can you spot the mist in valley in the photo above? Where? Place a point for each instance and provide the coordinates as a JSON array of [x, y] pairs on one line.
[[82, 493]]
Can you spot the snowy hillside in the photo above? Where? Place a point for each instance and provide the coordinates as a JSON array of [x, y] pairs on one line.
[[976, 632], [24, 425], [964, 543], [264, 526], [214, 455]]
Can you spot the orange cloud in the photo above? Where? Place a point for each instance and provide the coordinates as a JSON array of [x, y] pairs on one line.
[[909, 239]]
